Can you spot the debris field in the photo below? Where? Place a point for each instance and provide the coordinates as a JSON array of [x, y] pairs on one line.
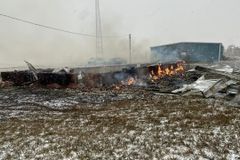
[[152, 112]]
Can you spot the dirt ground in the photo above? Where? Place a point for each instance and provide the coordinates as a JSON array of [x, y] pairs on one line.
[[125, 124]]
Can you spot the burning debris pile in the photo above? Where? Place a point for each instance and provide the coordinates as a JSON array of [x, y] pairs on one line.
[[160, 71], [173, 78], [164, 111]]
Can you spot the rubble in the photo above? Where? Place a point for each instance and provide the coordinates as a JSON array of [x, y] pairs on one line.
[[19, 78], [132, 113], [62, 79], [171, 78], [159, 71], [222, 68], [201, 84], [217, 72], [56, 78], [32, 69], [62, 70]]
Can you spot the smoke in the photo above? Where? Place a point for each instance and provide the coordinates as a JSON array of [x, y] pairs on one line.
[[40, 46], [120, 48], [141, 50], [48, 48], [165, 58], [154, 19]]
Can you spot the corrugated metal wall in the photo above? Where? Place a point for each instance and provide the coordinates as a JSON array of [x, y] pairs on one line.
[[189, 52]]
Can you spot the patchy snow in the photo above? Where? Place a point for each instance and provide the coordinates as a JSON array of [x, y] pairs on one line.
[[123, 126]]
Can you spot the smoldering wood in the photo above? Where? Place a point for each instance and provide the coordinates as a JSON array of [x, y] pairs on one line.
[[62, 79], [19, 78]]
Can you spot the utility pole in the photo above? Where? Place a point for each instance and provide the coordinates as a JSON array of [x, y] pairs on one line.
[[130, 48], [99, 39]]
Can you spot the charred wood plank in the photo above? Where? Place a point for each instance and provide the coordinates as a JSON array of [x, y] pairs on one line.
[[19, 78], [62, 79]]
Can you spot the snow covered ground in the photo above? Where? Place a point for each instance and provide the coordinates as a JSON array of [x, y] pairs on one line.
[[121, 125]]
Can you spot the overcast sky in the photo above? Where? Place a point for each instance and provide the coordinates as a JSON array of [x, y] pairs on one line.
[[152, 22]]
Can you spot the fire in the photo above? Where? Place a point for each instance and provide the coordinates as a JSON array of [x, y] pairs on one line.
[[117, 87], [160, 71], [131, 81]]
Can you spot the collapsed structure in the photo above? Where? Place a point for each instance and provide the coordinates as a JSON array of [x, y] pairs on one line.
[[174, 78], [129, 75], [177, 77]]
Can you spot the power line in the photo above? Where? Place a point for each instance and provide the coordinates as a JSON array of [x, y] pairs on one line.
[[55, 28]]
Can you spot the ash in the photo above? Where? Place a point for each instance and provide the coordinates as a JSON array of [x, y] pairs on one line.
[[116, 124]]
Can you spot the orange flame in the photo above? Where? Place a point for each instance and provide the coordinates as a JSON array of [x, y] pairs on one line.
[[161, 71], [117, 87], [131, 81]]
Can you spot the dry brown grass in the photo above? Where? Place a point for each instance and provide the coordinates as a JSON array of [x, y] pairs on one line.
[[136, 129]]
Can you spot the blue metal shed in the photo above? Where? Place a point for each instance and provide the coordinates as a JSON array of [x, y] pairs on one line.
[[188, 51]]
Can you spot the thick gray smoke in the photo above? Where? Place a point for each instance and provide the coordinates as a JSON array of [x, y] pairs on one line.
[[161, 22], [43, 47]]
